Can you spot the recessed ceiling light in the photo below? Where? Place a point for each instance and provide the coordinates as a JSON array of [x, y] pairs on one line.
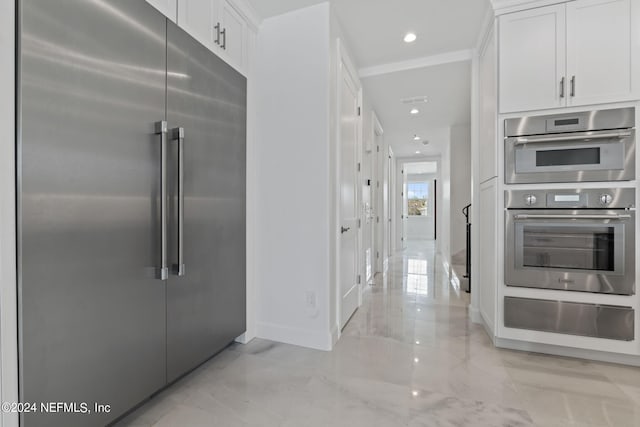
[[416, 360], [416, 138], [415, 393], [410, 38], [417, 152], [415, 111], [417, 342]]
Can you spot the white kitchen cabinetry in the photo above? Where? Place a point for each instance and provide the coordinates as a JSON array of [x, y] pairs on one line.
[[199, 19], [488, 251], [488, 111], [168, 8], [572, 54], [217, 25], [532, 59], [598, 51], [234, 36]]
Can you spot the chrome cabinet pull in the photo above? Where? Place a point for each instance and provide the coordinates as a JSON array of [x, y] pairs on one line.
[[217, 28], [224, 39], [573, 137], [562, 88], [178, 135], [597, 217], [573, 85], [163, 270]]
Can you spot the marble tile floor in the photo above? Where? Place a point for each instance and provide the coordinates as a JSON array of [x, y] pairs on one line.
[[409, 357]]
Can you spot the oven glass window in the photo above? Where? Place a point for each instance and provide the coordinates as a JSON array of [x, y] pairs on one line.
[[580, 248], [575, 156]]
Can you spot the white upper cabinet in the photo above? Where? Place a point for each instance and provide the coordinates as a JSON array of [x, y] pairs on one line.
[[199, 18], [532, 59], [217, 25], [167, 7], [234, 35], [571, 54], [599, 67]]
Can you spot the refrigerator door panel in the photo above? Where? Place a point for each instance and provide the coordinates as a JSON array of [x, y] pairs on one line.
[[205, 307], [92, 314]]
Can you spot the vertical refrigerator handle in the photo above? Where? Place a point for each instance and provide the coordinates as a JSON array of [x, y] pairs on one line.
[[163, 270], [178, 135]]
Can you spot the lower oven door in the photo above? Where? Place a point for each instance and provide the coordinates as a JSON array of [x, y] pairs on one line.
[[574, 157], [581, 250]]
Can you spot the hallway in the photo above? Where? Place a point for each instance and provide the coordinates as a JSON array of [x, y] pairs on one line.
[[409, 357]]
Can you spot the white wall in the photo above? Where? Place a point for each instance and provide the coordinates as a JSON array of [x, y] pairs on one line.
[[460, 184], [293, 177], [8, 316]]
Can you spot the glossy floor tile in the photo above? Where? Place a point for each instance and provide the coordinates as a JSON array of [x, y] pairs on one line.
[[409, 357]]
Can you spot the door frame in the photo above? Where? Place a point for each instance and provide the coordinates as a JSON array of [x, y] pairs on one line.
[[437, 159], [389, 208], [345, 64], [377, 132]]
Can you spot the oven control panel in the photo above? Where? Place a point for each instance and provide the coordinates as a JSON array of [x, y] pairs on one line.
[[608, 198]]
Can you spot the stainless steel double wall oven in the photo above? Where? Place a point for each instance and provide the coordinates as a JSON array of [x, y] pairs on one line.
[[571, 239]]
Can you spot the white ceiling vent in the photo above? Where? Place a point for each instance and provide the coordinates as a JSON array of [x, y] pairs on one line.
[[425, 142], [414, 100]]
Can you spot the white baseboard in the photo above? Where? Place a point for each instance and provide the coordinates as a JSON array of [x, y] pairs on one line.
[[245, 338], [556, 350], [318, 340], [474, 314], [335, 336], [476, 317]]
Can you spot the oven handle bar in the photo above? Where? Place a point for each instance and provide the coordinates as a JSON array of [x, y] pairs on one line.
[[572, 137], [592, 217]]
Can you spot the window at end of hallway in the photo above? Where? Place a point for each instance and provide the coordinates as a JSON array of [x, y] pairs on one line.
[[417, 196]]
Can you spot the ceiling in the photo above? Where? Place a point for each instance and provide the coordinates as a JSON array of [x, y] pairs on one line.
[[448, 89], [374, 31], [268, 8], [375, 28], [421, 168]]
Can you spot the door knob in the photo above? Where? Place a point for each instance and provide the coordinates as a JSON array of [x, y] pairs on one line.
[[344, 229]]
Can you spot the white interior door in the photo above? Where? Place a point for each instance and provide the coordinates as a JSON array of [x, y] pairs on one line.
[[367, 213], [348, 145], [379, 204], [389, 209], [405, 210]]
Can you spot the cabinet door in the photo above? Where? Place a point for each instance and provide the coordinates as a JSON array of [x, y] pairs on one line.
[[488, 143], [488, 253], [199, 18], [599, 51], [233, 42], [168, 8], [532, 59]]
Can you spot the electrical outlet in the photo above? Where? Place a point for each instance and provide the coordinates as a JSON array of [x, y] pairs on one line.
[[311, 299]]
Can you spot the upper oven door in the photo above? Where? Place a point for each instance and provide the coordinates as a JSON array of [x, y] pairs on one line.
[[582, 250], [571, 157]]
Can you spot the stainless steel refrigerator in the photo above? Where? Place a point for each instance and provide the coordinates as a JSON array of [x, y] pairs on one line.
[[131, 206]]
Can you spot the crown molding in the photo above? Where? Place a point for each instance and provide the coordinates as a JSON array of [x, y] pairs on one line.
[[244, 8], [412, 64], [501, 7]]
